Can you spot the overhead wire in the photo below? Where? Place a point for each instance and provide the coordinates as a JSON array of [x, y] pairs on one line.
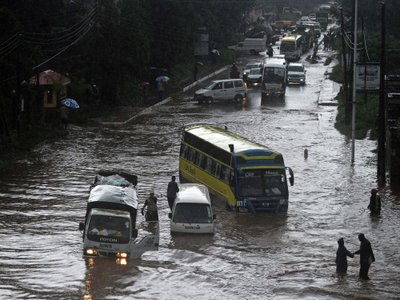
[[45, 41], [8, 46], [64, 49]]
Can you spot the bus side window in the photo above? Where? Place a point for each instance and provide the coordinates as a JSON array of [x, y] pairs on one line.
[[188, 153], [218, 171], [183, 149], [225, 174], [213, 167], [208, 165], [199, 157], [195, 154], [203, 163]]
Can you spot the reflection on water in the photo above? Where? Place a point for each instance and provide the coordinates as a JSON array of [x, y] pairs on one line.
[[103, 275], [261, 256]]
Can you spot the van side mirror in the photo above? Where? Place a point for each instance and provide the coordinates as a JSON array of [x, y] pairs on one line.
[[81, 226], [291, 178], [134, 233], [170, 215]]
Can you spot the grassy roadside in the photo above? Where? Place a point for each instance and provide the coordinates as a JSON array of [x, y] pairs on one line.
[[366, 111], [32, 135]]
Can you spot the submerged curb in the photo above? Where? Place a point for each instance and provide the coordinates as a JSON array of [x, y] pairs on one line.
[[149, 109]]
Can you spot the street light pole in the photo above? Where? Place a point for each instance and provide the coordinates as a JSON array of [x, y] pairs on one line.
[[381, 115], [353, 117]]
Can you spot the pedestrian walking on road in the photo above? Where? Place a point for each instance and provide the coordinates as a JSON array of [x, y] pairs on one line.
[[270, 51], [152, 210], [374, 202], [366, 256], [172, 190], [341, 257]]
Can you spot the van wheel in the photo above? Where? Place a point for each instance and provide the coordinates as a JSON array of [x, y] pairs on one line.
[[238, 98], [200, 101], [209, 100]]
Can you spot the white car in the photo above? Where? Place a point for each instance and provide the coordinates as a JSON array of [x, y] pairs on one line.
[[249, 66], [296, 74], [254, 76], [225, 89]]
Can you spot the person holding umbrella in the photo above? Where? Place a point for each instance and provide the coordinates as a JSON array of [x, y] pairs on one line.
[[66, 104], [64, 112]]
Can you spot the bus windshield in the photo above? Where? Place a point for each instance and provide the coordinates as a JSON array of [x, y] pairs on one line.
[[262, 183], [285, 47]]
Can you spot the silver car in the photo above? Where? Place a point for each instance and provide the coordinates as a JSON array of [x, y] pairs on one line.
[[296, 74], [249, 66], [254, 76]]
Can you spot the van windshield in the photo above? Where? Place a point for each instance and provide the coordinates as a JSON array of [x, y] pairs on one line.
[[274, 75], [109, 229], [192, 213]]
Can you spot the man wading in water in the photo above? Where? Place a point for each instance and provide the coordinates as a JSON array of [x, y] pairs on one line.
[[172, 190]]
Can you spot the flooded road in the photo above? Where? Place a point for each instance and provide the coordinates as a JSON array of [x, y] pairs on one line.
[[250, 257]]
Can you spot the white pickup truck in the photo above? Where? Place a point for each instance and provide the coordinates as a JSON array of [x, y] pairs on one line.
[[110, 222]]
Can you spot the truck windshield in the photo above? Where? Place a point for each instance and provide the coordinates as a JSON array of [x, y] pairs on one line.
[[262, 183], [115, 228], [192, 213]]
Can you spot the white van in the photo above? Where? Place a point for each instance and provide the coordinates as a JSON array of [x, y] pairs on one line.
[[192, 211], [225, 89], [250, 45]]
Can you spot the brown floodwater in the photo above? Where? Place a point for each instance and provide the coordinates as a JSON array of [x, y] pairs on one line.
[[263, 256]]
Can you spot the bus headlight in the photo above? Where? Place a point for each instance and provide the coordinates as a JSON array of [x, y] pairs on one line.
[[122, 254], [91, 251]]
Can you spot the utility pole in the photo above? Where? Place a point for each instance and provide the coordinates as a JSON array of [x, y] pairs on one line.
[[353, 117], [347, 102], [381, 114]]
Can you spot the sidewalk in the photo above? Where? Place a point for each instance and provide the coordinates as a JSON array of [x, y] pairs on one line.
[[329, 90], [135, 112]]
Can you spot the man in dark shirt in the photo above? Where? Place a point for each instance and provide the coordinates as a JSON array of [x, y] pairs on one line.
[[172, 190], [375, 202], [366, 256]]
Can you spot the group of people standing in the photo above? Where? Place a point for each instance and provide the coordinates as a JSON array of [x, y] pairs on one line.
[[366, 257], [151, 201], [366, 254]]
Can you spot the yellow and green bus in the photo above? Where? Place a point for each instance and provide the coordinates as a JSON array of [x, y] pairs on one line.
[[250, 177]]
